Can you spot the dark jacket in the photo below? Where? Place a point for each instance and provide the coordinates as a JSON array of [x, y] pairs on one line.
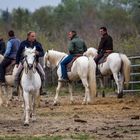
[[26, 43], [77, 46], [106, 43], [2, 47]]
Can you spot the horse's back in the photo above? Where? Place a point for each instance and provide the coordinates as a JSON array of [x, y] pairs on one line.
[[80, 66], [81, 61], [114, 58]]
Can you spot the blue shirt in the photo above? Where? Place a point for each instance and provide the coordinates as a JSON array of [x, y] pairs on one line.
[[12, 48]]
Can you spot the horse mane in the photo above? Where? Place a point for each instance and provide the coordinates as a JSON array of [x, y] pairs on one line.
[[91, 52], [56, 54]]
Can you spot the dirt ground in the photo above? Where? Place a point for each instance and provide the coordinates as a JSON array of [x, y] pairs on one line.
[[108, 118]]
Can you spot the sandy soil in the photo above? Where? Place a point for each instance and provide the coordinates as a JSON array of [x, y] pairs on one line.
[[108, 118]]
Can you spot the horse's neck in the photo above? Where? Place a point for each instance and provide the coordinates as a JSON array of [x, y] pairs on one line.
[[30, 73], [55, 60]]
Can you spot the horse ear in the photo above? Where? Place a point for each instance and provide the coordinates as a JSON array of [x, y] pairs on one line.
[[34, 48], [25, 48]]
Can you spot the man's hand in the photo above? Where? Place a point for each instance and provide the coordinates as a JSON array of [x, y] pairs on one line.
[[17, 65], [36, 52]]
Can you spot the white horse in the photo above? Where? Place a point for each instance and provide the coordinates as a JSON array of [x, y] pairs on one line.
[[83, 68], [31, 84], [6, 91], [117, 64]]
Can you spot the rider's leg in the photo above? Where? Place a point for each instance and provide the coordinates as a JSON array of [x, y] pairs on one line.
[[42, 75], [17, 79], [96, 59], [64, 63], [3, 65]]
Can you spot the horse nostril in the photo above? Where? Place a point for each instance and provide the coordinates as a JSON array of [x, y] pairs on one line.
[[30, 66]]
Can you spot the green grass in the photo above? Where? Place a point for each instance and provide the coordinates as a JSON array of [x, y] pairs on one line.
[[71, 137], [30, 138]]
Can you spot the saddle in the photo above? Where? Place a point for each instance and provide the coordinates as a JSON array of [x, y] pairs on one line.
[[69, 65], [104, 58], [9, 69]]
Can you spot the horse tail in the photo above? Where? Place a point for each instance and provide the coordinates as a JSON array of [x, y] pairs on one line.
[[92, 77], [126, 68]]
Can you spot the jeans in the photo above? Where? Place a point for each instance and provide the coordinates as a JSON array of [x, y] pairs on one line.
[[3, 65], [63, 64]]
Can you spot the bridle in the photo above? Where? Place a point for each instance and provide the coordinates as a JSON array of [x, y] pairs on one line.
[[29, 66]]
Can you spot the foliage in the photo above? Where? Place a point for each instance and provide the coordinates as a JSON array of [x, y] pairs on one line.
[[72, 137], [121, 17]]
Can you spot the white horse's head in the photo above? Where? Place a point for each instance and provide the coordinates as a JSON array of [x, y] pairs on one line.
[[30, 57], [52, 58], [91, 52]]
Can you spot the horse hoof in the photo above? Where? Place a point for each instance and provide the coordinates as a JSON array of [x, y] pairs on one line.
[[103, 94], [33, 119], [83, 103], [26, 124], [120, 95], [56, 104], [71, 102]]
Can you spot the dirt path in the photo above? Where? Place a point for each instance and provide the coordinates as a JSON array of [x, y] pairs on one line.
[[108, 118]]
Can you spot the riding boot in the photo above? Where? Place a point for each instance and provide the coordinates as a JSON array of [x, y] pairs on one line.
[[15, 89], [42, 89]]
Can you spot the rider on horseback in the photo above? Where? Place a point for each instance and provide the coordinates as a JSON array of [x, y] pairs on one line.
[[106, 44], [9, 55], [76, 46], [29, 42], [2, 45]]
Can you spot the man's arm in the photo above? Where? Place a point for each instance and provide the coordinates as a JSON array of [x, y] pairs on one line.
[[40, 51], [71, 47], [3, 48], [8, 49], [85, 47]]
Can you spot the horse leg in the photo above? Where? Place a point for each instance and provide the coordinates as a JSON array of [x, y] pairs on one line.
[[33, 105], [115, 75], [26, 108], [71, 93], [57, 93], [5, 95], [86, 99], [101, 80], [121, 80]]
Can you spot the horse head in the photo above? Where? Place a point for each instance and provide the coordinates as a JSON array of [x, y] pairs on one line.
[[30, 58], [46, 59], [52, 58]]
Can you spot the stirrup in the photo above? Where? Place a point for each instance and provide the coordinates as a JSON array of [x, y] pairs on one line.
[[64, 80]]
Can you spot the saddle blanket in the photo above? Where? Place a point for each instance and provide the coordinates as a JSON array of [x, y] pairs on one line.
[[70, 64]]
